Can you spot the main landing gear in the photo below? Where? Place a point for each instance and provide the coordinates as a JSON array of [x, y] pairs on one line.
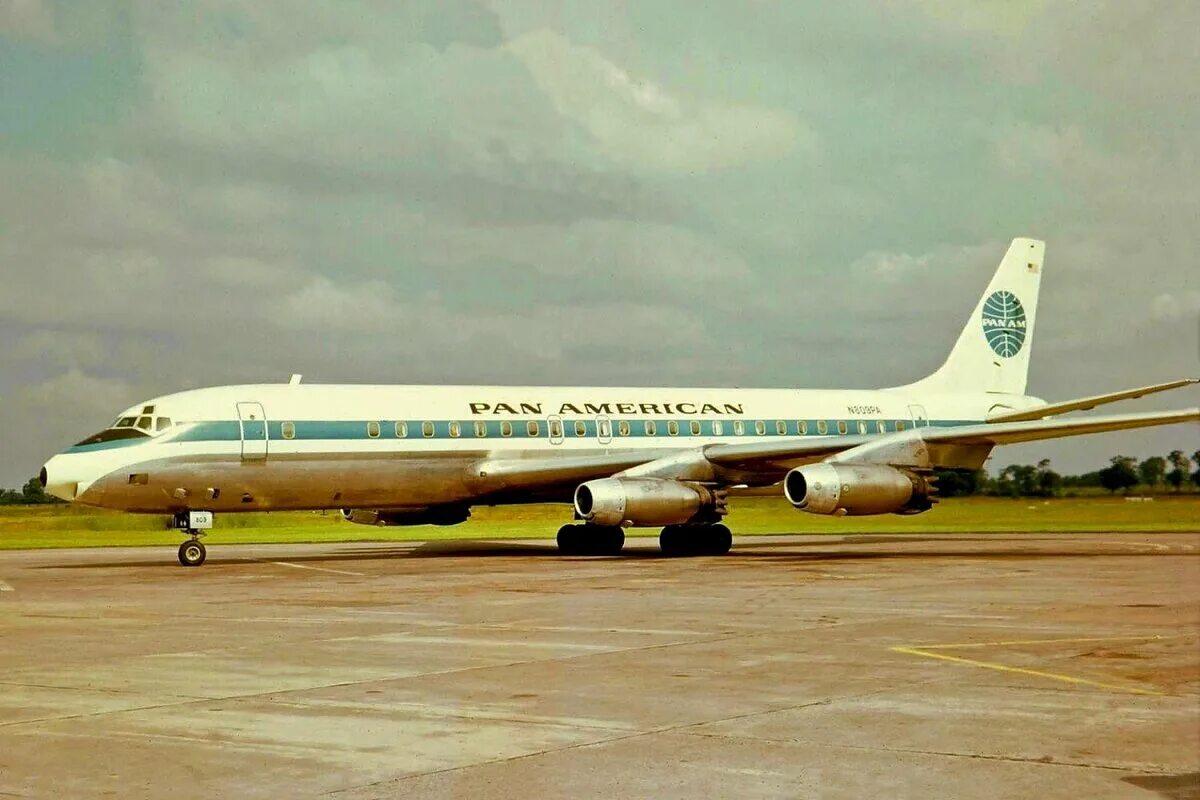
[[695, 540], [590, 540], [675, 540], [193, 524]]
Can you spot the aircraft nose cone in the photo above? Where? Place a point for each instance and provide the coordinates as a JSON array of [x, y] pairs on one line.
[[58, 481]]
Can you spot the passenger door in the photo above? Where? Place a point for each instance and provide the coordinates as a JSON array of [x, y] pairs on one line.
[[252, 423]]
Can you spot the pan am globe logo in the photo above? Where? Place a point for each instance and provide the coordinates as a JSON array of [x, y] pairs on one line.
[[1004, 323]]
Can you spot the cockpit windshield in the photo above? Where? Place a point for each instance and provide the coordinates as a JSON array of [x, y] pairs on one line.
[[132, 426]]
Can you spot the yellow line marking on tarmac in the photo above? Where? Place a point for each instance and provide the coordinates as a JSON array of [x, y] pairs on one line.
[[4, 587], [924, 652], [305, 566], [1050, 641]]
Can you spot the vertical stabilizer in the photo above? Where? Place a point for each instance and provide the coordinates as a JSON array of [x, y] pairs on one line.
[[992, 352]]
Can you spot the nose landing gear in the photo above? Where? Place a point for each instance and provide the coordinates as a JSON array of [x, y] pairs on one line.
[[192, 553], [193, 524]]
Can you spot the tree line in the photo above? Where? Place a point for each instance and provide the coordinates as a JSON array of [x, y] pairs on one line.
[[31, 494], [1173, 472], [1123, 473]]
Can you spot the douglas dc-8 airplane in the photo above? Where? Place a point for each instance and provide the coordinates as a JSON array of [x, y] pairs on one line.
[[418, 455]]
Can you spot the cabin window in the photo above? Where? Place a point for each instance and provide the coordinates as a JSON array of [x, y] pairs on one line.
[[373, 430], [673, 428], [480, 430], [822, 427], [801, 427], [882, 426], [760, 427], [532, 429], [162, 423], [781, 427], [651, 428], [900, 425], [427, 430], [401, 430], [695, 427], [555, 429], [623, 427], [580, 428], [717, 427], [506, 429], [739, 428], [455, 430], [862, 427], [842, 427], [288, 429]]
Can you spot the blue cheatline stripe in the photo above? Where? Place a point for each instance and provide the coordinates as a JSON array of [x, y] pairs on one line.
[[620, 428]]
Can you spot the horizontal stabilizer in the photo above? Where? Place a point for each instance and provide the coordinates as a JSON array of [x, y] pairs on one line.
[[1087, 403]]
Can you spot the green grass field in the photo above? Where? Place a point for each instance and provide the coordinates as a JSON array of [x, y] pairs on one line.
[[64, 526]]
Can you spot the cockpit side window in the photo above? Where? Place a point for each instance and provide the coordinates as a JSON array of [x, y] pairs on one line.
[[145, 423], [162, 423]]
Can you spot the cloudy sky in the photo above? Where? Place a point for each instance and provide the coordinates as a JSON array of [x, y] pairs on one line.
[[778, 194]]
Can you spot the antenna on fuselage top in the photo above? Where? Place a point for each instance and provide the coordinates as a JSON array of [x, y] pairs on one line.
[[295, 380]]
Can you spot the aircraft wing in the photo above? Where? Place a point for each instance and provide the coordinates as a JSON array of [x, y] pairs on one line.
[[685, 463], [1034, 430], [1087, 403], [958, 446]]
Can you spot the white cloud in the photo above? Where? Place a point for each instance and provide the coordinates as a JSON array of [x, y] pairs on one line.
[[1176, 306], [28, 19], [40, 419], [637, 122], [644, 253], [892, 267]]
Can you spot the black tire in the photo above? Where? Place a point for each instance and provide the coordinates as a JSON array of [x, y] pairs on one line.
[[568, 540], [192, 553], [695, 540], [673, 541], [601, 540], [719, 539]]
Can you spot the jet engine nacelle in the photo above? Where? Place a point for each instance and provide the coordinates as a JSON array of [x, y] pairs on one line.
[[647, 502], [859, 489], [433, 515]]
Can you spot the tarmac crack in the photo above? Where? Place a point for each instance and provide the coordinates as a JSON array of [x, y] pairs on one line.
[[1041, 761], [682, 727], [319, 687]]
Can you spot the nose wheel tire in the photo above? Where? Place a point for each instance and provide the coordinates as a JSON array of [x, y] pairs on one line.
[[191, 553]]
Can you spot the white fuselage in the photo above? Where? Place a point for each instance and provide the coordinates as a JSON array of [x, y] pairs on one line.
[[298, 446]]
